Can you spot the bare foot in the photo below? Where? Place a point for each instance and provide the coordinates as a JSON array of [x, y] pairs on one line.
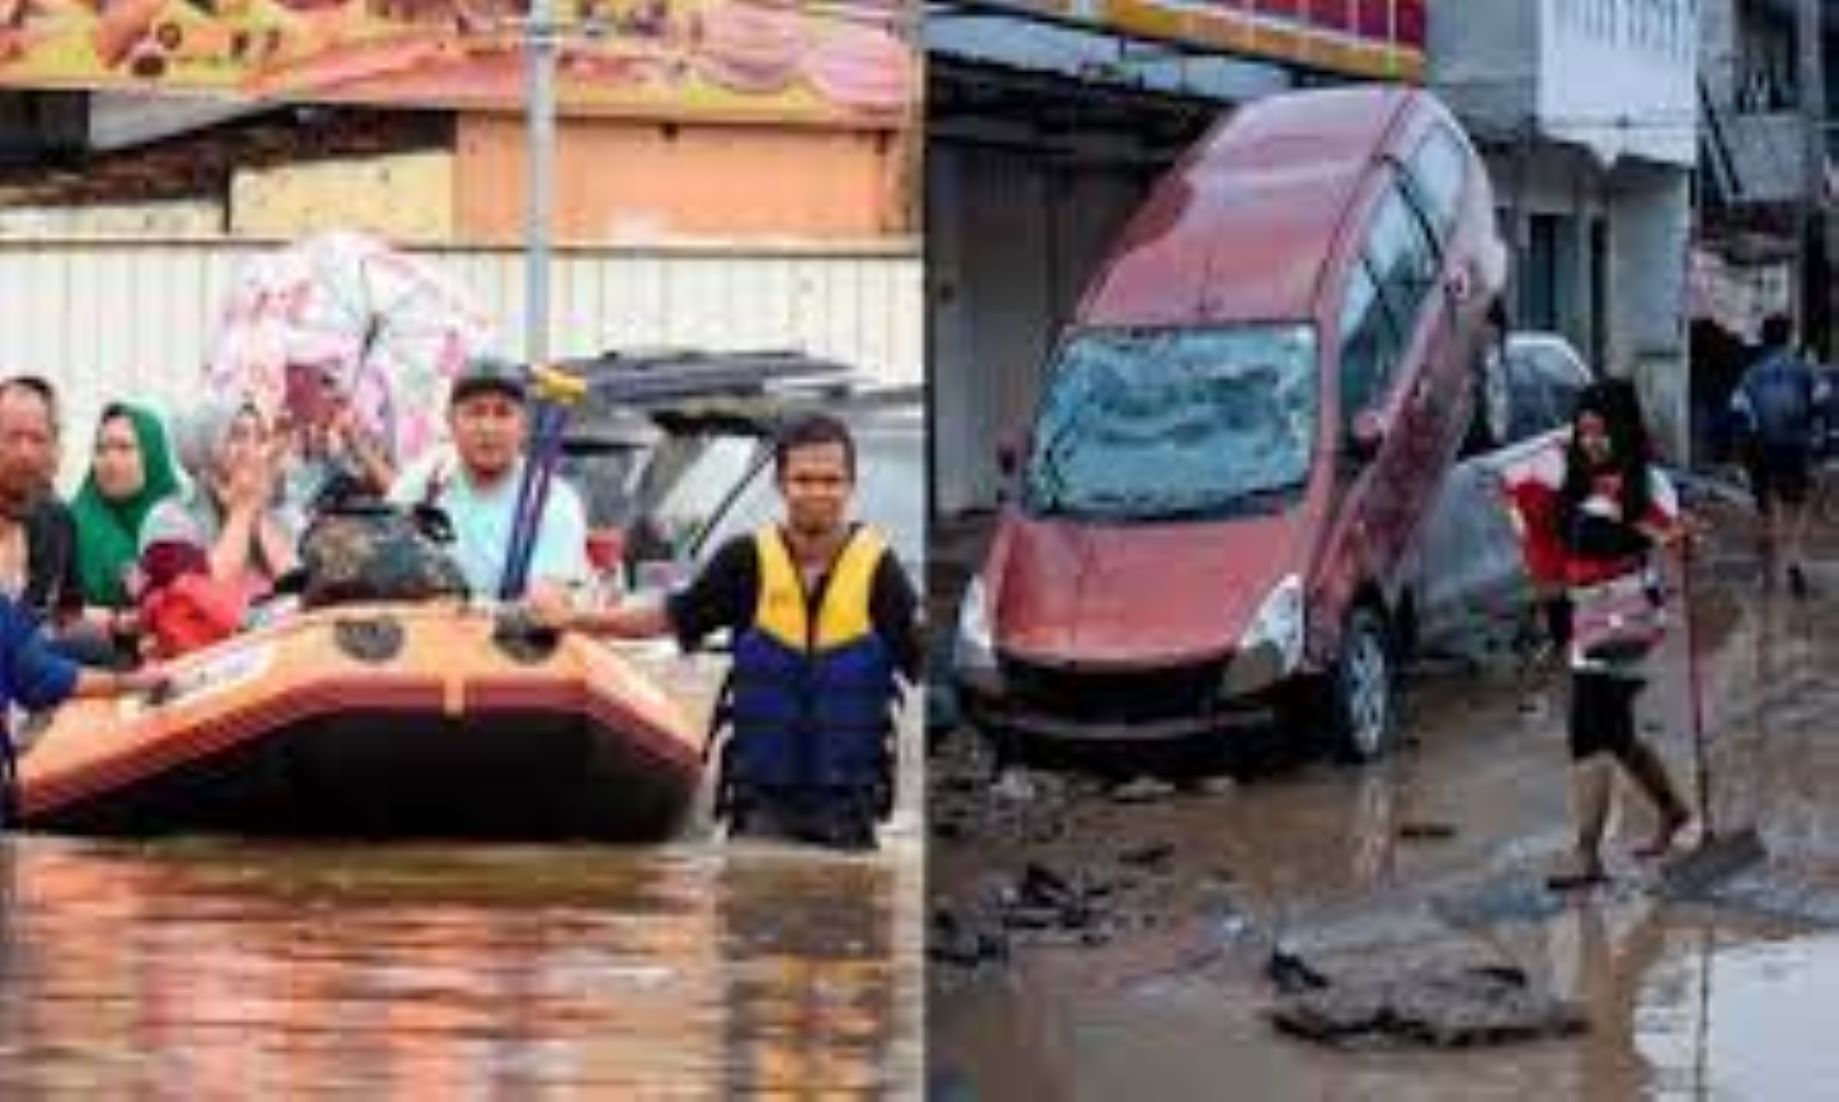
[[1584, 873], [1662, 841]]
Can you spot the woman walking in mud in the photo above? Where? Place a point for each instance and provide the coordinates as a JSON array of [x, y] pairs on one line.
[[1609, 509]]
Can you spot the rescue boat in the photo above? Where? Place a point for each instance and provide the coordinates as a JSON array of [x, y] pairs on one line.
[[376, 720]]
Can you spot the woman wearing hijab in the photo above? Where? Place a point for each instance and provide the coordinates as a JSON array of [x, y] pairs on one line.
[[131, 471], [231, 510]]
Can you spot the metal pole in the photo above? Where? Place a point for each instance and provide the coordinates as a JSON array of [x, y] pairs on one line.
[[540, 43], [1811, 226]]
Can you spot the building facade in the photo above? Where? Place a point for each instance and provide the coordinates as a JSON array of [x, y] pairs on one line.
[[1587, 114], [1766, 231]]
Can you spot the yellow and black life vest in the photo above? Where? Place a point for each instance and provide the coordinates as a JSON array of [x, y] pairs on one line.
[[813, 681]]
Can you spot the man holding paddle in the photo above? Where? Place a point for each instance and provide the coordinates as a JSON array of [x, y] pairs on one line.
[[480, 487]]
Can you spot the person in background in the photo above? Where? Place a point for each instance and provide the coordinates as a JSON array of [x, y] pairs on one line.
[[1775, 405], [131, 472], [477, 486], [327, 449]]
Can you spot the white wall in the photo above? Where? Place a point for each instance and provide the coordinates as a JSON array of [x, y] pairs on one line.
[[1649, 239], [1618, 76], [116, 319], [1483, 61]]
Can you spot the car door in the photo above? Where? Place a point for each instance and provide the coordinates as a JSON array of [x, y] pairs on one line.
[[1434, 181], [1401, 262], [1468, 575]]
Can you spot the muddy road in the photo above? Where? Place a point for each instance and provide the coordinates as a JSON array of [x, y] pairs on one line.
[[1098, 940]]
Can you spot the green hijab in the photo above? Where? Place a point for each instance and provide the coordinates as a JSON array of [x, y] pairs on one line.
[[108, 532]]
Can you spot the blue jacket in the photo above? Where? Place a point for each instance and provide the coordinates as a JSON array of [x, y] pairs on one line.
[[32, 675], [1779, 398]]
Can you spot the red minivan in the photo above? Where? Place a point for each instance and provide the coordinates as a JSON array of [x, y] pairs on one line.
[[1240, 432]]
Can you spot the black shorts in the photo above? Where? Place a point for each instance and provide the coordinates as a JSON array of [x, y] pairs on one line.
[[1779, 474], [1602, 714]]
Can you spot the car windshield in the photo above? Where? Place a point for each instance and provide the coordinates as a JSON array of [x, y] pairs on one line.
[[1175, 424], [696, 489], [889, 493]]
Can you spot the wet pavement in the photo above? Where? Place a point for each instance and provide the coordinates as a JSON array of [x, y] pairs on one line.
[[1092, 942], [212, 968]]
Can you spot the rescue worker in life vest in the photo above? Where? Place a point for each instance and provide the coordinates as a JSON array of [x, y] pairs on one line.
[[823, 618]]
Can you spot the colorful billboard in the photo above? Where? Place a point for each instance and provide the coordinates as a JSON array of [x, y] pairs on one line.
[[1383, 39], [826, 62]]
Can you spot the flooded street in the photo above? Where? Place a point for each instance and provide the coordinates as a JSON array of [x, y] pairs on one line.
[[204, 969], [219, 970], [1096, 940]]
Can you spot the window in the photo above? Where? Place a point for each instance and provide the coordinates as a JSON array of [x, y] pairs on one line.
[[1564, 379], [1403, 259], [1369, 347], [1531, 403], [1543, 385], [1439, 169]]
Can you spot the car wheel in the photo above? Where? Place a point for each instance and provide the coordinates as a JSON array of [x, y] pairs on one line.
[[1362, 701]]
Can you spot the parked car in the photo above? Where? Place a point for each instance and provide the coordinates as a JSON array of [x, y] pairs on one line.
[[1466, 574], [1241, 429], [647, 423], [889, 431], [708, 476]]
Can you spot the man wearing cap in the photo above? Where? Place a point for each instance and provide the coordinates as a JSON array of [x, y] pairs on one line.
[[477, 485]]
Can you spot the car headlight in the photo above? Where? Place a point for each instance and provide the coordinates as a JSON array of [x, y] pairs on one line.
[[974, 645], [1272, 647]]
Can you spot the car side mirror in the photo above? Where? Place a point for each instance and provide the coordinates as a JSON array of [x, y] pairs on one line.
[[1366, 435], [1459, 285]]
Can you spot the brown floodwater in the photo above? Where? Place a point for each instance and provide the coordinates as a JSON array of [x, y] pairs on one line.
[[226, 969], [199, 970]]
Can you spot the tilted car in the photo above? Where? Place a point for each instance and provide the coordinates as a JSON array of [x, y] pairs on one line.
[[1240, 433]]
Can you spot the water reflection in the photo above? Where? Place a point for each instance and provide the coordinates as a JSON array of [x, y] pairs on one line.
[[1744, 1021], [208, 970]]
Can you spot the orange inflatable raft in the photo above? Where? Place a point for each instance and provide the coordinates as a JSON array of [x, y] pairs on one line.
[[376, 720]]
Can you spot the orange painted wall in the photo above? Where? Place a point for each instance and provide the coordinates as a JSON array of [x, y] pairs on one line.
[[619, 180]]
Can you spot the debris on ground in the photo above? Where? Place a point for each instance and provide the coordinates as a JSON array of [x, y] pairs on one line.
[[1142, 790], [1516, 897], [1081, 905], [1424, 831], [1292, 975], [1438, 1007], [955, 940], [1150, 855]]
